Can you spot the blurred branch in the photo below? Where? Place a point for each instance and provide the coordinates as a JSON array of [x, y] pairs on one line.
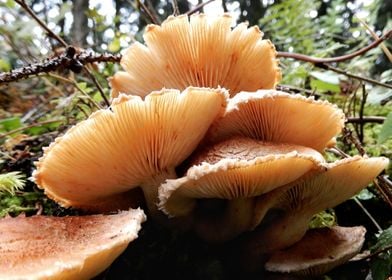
[[198, 7], [68, 60], [176, 11], [371, 119], [149, 13], [316, 60], [50, 33]]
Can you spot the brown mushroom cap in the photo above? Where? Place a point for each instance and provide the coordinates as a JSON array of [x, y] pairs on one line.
[[135, 143], [292, 207], [275, 116], [71, 248], [238, 170], [199, 51], [319, 251]]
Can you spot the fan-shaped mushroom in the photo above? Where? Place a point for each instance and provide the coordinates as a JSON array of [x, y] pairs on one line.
[[135, 143], [319, 251], [71, 248], [200, 51], [291, 207], [236, 170], [275, 116]]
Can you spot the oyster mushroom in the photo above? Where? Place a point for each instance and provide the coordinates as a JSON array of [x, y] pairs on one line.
[[136, 143], [319, 251], [275, 116], [236, 170], [282, 216], [198, 51], [71, 248]]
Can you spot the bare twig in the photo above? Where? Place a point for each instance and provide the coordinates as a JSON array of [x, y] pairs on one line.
[[148, 12], [198, 7], [289, 88], [176, 11], [50, 33], [374, 254], [367, 214], [100, 89], [68, 60], [316, 60], [348, 74], [370, 119]]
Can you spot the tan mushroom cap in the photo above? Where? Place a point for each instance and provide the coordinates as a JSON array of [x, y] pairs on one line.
[[200, 51], [275, 116], [293, 206], [71, 248], [238, 170], [319, 251], [135, 143]]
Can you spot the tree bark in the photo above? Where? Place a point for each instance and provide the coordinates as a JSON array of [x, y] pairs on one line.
[[80, 28]]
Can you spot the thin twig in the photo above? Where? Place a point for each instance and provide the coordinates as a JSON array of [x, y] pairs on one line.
[[100, 89], [317, 60], [348, 74], [367, 214], [50, 33], [289, 88], [27, 127], [198, 7], [369, 119], [176, 11], [147, 11], [372, 255], [68, 60]]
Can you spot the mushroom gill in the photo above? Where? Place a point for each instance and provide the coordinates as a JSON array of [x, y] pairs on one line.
[[70, 248], [319, 251], [294, 205], [275, 116], [198, 51], [135, 143], [236, 170]]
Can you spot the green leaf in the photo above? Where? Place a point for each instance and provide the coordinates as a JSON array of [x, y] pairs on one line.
[[10, 124], [323, 86], [4, 65], [11, 182], [386, 130], [381, 268], [114, 46], [384, 240], [328, 77]]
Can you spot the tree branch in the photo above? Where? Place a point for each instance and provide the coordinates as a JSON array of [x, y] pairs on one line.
[[316, 60], [370, 119], [68, 60], [198, 7]]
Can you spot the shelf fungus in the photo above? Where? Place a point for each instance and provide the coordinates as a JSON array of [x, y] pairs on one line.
[[275, 116], [319, 251], [71, 248], [219, 189], [199, 51], [283, 215], [99, 162]]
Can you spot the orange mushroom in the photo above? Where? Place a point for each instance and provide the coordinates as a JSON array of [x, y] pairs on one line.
[[200, 51], [67, 248]]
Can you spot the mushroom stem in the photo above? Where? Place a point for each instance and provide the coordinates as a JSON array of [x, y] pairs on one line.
[[236, 218], [150, 191]]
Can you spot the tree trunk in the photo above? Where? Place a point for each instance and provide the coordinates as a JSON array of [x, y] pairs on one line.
[[79, 29]]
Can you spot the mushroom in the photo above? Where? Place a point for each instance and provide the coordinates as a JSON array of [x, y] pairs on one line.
[[198, 51], [319, 251], [135, 143], [236, 170], [77, 247], [275, 116], [282, 216]]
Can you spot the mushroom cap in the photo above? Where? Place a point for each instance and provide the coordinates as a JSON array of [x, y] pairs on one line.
[[237, 168], [200, 51], [319, 251], [275, 116], [282, 216], [117, 149], [71, 248]]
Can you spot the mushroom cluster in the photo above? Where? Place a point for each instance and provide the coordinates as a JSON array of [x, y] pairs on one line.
[[197, 131]]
